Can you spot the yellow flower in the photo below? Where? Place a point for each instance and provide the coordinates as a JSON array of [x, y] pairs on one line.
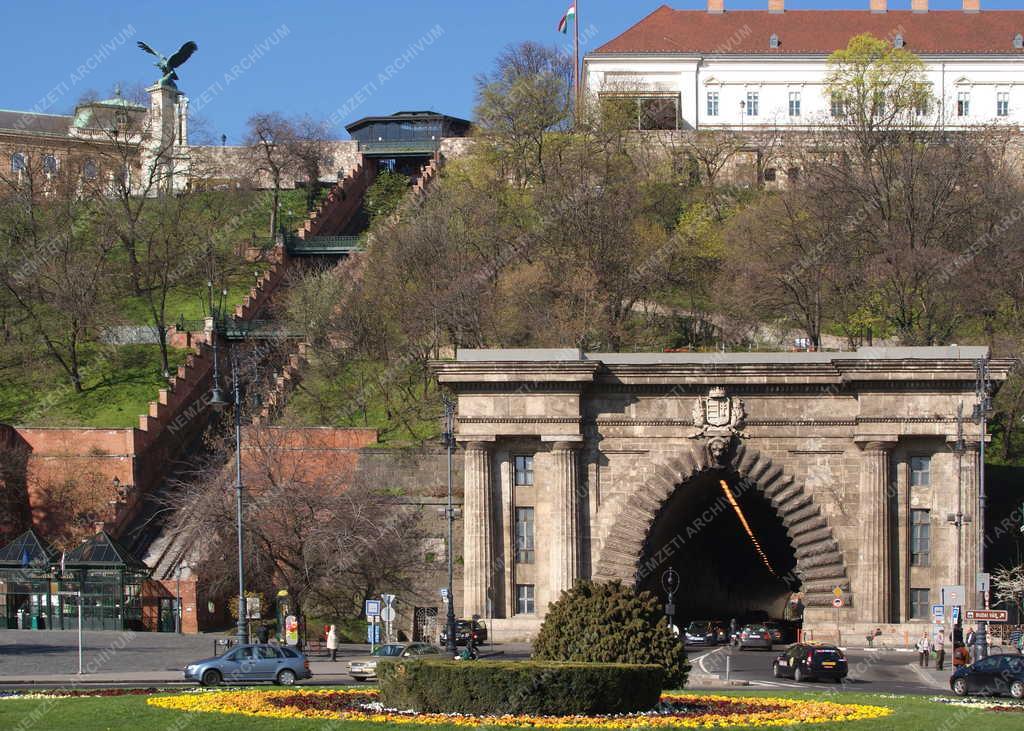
[[711, 711]]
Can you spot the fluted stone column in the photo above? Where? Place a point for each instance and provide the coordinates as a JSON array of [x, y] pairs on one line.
[[874, 595], [477, 512], [971, 532], [565, 538]]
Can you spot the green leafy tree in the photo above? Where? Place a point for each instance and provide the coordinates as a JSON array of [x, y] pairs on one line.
[[609, 622], [383, 197]]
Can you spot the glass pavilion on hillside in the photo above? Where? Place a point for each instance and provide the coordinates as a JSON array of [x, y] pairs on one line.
[[40, 588]]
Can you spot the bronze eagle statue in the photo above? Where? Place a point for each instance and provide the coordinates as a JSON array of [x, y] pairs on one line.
[[168, 65]]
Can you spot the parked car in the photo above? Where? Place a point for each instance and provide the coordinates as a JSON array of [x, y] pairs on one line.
[[250, 663], [363, 670], [810, 662], [755, 635], [463, 628], [993, 675], [700, 632]]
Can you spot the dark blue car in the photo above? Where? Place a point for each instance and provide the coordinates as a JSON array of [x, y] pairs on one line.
[[994, 675]]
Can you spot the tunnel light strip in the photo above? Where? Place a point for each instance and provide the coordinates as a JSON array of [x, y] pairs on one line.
[[746, 526]]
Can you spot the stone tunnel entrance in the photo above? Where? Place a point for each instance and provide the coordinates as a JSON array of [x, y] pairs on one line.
[[731, 551]]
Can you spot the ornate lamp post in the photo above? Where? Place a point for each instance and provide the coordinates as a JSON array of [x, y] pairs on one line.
[[217, 402], [449, 441]]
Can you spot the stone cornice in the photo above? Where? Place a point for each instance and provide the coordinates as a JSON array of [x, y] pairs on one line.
[[512, 372]]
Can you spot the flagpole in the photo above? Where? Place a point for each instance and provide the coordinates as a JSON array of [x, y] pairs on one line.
[[576, 58]]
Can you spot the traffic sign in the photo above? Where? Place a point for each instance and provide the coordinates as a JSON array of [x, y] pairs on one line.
[[988, 615], [389, 599], [983, 582], [372, 608], [837, 592], [956, 614], [373, 633], [387, 614], [837, 602], [953, 595], [938, 611]]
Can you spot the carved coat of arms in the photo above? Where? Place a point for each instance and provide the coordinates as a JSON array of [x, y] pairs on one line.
[[719, 413], [718, 419]]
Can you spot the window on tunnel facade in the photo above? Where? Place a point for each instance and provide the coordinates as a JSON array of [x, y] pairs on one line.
[[524, 535], [920, 537], [920, 471], [523, 471], [920, 604], [524, 599]]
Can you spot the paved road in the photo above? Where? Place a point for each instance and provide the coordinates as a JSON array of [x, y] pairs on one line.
[[871, 671], [50, 658]]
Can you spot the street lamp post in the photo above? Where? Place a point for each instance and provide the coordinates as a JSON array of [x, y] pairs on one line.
[[217, 401], [981, 411], [449, 441]]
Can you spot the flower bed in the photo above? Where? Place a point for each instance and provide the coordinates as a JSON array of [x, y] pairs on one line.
[[675, 710], [990, 704]]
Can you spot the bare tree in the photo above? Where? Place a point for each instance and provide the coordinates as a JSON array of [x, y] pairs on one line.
[[268, 140], [309, 527]]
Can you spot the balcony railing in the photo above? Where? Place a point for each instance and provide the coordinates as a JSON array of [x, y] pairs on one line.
[[321, 245], [399, 147]]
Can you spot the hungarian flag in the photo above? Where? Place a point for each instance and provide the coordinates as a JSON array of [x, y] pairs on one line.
[[563, 24]]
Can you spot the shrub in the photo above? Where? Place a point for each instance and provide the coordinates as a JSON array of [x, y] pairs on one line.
[[611, 623], [528, 687]]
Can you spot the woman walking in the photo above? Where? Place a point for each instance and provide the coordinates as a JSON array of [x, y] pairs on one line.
[[332, 642], [924, 649]]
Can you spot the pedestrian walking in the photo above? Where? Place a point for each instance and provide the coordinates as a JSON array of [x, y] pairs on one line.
[[263, 633], [923, 649], [940, 650], [969, 641], [332, 642]]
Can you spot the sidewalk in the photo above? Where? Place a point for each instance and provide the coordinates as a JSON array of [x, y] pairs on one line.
[[938, 679]]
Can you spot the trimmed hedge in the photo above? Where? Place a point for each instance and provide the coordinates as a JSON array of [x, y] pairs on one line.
[[528, 687], [609, 622]]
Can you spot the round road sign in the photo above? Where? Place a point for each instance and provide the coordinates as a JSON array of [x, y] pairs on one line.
[[387, 614], [837, 602]]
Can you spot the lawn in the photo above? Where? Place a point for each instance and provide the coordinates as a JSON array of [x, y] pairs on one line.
[[131, 712], [358, 397], [119, 383]]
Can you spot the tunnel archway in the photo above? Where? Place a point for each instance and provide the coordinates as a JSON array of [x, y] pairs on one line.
[[717, 551]]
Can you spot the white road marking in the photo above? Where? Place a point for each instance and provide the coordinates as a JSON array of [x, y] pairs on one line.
[[700, 660], [776, 684]]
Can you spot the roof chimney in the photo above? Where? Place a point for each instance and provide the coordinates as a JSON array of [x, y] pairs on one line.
[[776, 6], [716, 7], [919, 6], [880, 6], [972, 6]]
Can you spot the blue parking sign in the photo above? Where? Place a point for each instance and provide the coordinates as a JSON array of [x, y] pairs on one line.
[[938, 611]]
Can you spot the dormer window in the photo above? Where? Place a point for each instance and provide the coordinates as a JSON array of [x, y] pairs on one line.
[[898, 41], [1018, 41], [773, 41]]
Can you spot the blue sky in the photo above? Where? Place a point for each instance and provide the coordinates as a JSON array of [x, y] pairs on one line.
[[300, 56]]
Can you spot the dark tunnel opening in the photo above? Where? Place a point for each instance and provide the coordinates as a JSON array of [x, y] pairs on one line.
[[723, 574]]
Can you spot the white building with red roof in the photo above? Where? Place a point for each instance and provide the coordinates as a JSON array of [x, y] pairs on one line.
[[692, 69]]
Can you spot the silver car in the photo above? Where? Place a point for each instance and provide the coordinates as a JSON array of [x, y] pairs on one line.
[[755, 635], [363, 670], [251, 663]]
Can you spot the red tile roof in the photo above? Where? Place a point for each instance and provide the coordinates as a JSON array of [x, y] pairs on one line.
[[817, 31]]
